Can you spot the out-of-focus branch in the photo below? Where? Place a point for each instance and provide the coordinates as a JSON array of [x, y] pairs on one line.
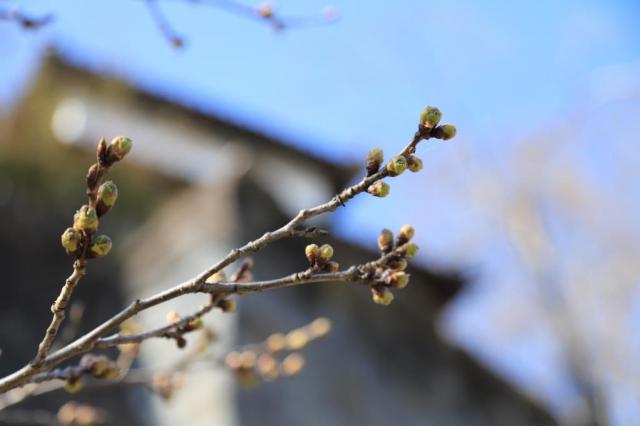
[[25, 21]]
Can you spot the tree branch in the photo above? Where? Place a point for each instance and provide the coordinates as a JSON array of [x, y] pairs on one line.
[[198, 284]]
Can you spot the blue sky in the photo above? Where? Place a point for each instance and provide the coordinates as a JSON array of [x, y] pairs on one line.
[[501, 71]]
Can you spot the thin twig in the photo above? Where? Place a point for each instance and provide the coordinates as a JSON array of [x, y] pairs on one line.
[[58, 310]]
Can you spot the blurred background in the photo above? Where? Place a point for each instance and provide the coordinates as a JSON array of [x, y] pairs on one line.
[[523, 306]]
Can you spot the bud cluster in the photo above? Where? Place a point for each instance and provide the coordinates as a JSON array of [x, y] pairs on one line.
[[79, 240], [389, 271], [97, 366], [319, 258], [429, 119], [277, 356]]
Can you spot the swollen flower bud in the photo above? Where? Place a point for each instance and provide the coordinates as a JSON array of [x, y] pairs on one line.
[[326, 252], [430, 117], [107, 196], [312, 252], [409, 250], [86, 219], [331, 267], [374, 160], [119, 147], [385, 241], [398, 279], [445, 132], [104, 368], [397, 165], [71, 239], [400, 265], [414, 163], [406, 233], [382, 296], [379, 189], [228, 305], [100, 246], [73, 385]]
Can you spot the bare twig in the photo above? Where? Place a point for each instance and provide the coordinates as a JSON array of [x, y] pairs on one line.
[[58, 310]]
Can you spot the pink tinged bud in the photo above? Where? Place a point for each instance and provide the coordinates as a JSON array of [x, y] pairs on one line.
[[379, 189]]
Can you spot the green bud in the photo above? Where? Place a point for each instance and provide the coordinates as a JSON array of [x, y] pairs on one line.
[[119, 148], [312, 252], [400, 265], [100, 246], [398, 279], [414, 163], [108, 193], [410, 250], [430, 117], [196, 324], [71, 239], [104, 368], [374, 160], [397, 165], [444, 132], [73, 385], [382, 297], [86, 219], [326, 252], [379, 189]]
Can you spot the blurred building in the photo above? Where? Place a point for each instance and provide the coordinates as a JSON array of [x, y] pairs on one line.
[[195, 186]]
